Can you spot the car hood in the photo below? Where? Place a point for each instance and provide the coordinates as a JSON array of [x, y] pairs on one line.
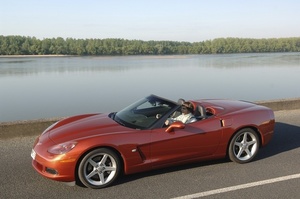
[[82, 126]]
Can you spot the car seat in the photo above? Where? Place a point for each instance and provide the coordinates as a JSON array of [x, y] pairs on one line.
[[200, 112]]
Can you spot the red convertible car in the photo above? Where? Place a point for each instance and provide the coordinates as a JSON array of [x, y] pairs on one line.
[[95, 149]]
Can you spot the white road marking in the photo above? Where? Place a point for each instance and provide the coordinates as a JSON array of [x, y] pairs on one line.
[[242, 186]]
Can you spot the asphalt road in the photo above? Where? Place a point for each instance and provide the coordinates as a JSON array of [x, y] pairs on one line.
[[275, 173]]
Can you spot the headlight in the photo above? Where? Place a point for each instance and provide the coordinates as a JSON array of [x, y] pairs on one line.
[[62, 148]]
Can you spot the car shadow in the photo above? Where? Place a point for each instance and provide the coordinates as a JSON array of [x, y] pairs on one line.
[[286, 137], [136, 176]]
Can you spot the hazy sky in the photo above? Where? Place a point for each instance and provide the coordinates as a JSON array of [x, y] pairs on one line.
[[185, 20]]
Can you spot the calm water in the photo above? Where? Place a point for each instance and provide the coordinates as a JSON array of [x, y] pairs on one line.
[[33, 88]]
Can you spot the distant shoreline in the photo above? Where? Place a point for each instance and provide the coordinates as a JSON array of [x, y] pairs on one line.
[[17, 56], [102, 56], [140, 56], [94, 47]]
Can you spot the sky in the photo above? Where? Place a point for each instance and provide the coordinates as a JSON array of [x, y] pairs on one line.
[[172, 20]]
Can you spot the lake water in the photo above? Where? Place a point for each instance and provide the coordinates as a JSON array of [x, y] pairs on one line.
[[43, 87]]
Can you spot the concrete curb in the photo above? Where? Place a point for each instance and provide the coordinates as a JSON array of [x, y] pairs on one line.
[[25, 128], [283, 104], [36, 127]]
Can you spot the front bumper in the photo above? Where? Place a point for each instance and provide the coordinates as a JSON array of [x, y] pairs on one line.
[[55, 167]]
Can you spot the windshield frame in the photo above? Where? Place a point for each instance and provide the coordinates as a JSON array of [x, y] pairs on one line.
[[143, 114]]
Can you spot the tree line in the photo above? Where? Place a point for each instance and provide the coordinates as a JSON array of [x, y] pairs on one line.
[[21, 45]]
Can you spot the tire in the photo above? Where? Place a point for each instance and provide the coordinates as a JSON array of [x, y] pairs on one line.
[[99, 168], [243, 146]]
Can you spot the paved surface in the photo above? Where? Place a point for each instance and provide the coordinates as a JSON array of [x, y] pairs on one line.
[[273, 174]]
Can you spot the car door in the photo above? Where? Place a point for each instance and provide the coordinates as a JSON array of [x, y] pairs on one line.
[[196, 140]]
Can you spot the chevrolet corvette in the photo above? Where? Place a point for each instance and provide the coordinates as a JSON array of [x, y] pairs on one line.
[[95, 149]]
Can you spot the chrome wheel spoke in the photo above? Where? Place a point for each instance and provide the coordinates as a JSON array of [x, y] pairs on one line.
[[92, 162], [238, 144], [110, 168], [245, 137], [239, 153], [103, 160], [248, 152], [251, 142], [90, 175], [101, 177]]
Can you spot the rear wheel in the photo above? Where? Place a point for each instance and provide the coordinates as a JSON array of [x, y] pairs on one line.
[[243, 146], [99, 168]]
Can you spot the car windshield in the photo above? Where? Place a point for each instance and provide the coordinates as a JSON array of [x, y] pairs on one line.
[[144, 113]]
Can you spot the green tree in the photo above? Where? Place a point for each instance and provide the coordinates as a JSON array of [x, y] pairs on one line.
[[18, 45]]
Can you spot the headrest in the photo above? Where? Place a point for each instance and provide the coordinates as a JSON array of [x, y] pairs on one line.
[[180, 101]]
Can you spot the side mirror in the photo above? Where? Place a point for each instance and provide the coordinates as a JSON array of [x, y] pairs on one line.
[[175, 125]]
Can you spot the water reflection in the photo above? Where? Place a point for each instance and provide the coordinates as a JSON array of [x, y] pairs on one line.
[[27, 66], [44, 87]]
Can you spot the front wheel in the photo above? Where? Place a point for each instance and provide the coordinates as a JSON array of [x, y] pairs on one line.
[[99, 168], [243, 146]]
